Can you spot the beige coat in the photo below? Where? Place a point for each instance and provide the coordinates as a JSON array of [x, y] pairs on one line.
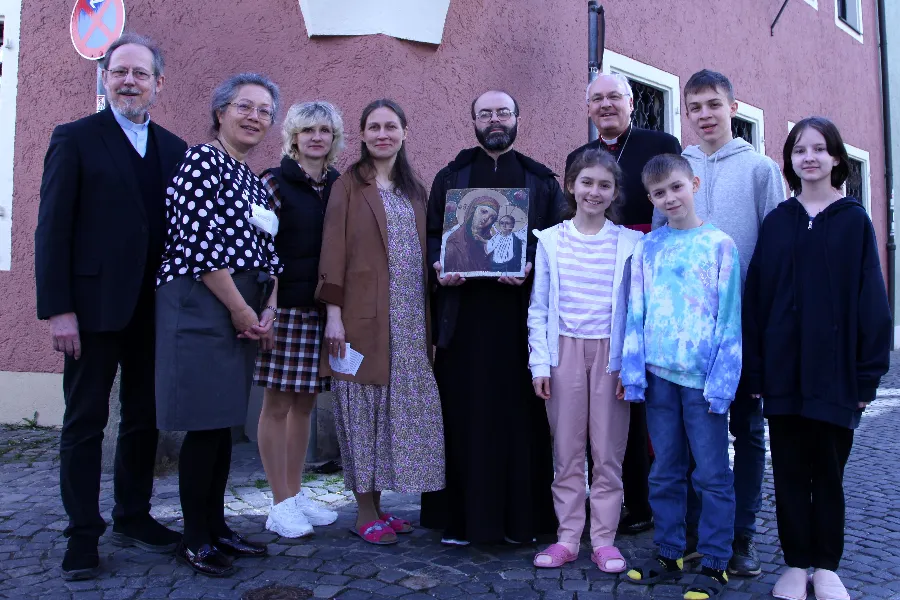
[[353, 274]]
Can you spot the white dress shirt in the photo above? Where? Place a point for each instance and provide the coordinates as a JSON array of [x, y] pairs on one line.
[[135, 132]]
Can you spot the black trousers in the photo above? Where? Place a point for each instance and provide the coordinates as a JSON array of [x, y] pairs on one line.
[[203, 466], [808, 460], [86, 387], [635, 466]]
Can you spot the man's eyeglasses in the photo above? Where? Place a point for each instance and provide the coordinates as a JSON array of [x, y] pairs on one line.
[[503, 114], [613, 97], [138, 74], [246, 109]]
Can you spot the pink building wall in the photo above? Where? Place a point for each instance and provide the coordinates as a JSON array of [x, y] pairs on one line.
[[536, 49]]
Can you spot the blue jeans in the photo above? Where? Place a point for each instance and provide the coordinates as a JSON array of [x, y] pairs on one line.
[[748, 427], [680, 424]]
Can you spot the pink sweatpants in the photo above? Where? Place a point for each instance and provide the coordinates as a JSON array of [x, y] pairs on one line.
[[583, 402]]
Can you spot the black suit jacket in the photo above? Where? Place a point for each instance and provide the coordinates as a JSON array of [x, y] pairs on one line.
[[92, 233], [643, 145]]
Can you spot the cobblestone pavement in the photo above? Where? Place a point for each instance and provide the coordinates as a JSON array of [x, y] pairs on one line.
[[334, 564]]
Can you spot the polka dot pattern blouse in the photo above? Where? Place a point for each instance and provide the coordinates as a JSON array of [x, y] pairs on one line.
[[208, 215]]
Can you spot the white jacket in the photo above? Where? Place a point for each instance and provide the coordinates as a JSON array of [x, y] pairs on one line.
[[543, 311]]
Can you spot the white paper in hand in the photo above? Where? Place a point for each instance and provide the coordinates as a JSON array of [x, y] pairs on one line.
[[348, 365]]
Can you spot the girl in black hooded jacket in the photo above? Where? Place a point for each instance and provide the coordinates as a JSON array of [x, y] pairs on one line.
[[816, 343]]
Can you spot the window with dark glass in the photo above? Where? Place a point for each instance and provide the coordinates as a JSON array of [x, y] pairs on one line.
[[850, 13], [649, 106], [741, 128], [854, 184]]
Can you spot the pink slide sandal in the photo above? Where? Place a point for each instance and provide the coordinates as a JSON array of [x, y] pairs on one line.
[[397, 524], [558, 554], [374, 532], [604, 555]]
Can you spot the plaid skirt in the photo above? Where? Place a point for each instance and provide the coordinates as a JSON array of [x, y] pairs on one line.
[[293, 363]]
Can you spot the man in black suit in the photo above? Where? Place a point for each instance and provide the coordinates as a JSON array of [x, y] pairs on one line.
[[99, 241], [610, 103]]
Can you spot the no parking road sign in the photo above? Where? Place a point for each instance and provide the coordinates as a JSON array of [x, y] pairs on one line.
[[95, 25]]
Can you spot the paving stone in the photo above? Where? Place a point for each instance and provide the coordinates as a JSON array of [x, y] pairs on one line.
[[334, 564], [391, 575], [301, 551], [559, 595], [419, 582], [327, 591], [547, 585], [594, 596], [576, 585], [445, 592], [518, 574], [330, 498], [355, 595], [333, 579]]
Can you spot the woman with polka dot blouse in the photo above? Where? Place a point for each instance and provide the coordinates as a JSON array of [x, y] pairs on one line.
[[216, 293]]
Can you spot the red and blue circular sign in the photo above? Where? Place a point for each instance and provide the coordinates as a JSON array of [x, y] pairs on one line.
[[95, 25]]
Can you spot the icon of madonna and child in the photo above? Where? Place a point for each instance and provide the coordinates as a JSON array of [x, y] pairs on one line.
[[485, 232]]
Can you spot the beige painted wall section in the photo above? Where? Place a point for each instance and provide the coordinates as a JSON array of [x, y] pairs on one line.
[[23, 393]]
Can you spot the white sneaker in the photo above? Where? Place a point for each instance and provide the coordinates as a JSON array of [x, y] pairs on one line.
[[453, 542], [288, 522], [317, 514]]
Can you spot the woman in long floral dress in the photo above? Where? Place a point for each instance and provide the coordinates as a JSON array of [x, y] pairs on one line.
[[372, 279]]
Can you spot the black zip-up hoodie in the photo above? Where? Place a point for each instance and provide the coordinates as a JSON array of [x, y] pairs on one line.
[[816, 320]]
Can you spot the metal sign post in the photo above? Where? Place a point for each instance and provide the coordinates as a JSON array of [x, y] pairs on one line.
[[94, 26], [101, 91]]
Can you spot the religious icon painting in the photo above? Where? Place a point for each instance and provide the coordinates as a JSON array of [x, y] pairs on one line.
[[485, 232]]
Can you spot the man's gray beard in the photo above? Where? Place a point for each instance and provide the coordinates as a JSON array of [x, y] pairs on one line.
[[132, 111]]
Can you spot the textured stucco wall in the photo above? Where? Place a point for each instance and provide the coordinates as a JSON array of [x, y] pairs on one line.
[[534, 48]]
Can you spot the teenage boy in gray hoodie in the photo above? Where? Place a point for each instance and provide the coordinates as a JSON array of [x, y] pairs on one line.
[[738, 188]]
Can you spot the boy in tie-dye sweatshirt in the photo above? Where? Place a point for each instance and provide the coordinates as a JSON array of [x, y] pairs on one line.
[[682, 355]]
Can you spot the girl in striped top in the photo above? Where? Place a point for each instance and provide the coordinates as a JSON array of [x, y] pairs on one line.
[[576, 327]]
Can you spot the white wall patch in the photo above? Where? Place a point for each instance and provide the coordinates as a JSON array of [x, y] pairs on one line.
[[416, 20]]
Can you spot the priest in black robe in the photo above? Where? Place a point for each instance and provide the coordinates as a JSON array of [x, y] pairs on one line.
[[498, 450]]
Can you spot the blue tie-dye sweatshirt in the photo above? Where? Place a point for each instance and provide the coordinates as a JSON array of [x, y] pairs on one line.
[[684, 314]]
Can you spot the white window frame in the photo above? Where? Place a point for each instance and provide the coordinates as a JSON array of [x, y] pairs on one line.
[[755, 115], [863, 157], [10, 11], [866, 174], [857, 35], [657, 78]]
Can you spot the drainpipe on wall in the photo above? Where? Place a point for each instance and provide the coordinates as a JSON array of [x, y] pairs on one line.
[[888, 161], [596, 42]]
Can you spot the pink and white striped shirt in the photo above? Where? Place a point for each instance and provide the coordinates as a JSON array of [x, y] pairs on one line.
[[587, 265]]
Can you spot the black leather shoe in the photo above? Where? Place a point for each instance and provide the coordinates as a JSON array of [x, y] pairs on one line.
[[80, 563], [206, 561], [630, 525], [744, 559], [237, 545], [147, 534]]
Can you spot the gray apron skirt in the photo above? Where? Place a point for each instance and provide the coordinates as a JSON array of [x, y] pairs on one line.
[[203, 371]]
